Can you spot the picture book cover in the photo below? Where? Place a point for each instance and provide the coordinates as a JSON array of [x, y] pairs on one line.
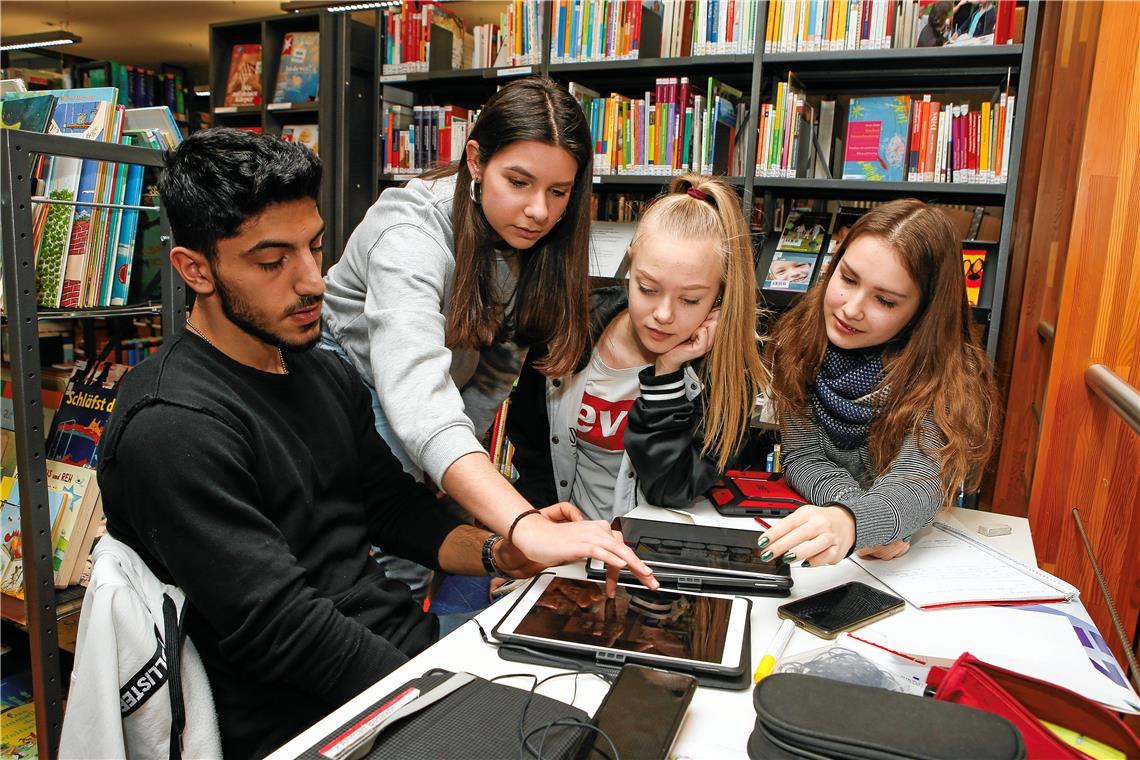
[[80, 491], [973, 269], [243, 86], [877, 131], [844, 219], [306, 134], [18, 735], [298, 74], [82, 417], [12, 548], [790, 271], [29, 114], [804, 233]]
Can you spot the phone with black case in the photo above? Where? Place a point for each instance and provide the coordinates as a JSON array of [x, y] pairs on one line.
[[641, 714], [842, 608]]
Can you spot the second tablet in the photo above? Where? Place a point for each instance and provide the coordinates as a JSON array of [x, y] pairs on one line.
[[700, 558]]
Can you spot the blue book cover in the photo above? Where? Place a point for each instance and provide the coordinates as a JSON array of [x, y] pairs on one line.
[[790, 271], [298, 74], [877, 132], [82, 416]]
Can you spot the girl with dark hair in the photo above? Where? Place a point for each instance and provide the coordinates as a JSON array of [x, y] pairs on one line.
[[886, 402], [446, 283], [659, 404]]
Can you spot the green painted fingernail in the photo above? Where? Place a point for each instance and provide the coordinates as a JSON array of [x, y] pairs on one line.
[[765, 556], [806, 563], [907, 538], [787, 558], [762, 542]]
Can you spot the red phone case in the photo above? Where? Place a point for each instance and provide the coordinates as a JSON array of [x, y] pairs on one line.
[[752, 493]]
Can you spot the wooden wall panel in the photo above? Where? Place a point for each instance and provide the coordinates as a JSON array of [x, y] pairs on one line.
[[1064, 69], [1088, 458]]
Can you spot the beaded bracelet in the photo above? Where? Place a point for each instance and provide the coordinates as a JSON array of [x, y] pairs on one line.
[[521, 515]]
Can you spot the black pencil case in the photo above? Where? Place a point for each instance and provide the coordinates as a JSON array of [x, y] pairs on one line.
[[807, 716], [482, 719]]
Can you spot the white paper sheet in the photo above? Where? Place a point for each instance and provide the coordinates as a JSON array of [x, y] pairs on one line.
[[1027, 640]]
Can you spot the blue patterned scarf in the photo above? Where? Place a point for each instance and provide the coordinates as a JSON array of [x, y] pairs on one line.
[[839, 393]]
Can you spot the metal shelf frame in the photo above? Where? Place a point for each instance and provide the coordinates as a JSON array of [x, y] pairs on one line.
[[17, 247]]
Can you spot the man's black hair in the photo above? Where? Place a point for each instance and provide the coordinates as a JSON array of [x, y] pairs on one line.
[[218, 178]]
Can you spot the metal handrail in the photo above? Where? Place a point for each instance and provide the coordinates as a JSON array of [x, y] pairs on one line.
[[1116, 392]]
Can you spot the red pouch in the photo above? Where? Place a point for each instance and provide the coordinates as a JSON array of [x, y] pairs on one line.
[[1026, 702], [748, 493]]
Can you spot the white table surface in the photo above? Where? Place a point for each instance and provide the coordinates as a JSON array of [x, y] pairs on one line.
[[718, 721]]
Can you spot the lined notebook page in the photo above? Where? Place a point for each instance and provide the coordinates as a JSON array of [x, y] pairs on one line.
[[946, 566]]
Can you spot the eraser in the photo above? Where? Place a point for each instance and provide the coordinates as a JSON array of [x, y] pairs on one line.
[[994, 529]]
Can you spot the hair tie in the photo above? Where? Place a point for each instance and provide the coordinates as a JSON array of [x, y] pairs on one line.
[[700, 195]]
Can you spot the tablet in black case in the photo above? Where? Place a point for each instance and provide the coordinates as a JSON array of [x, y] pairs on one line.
[[696, 558]]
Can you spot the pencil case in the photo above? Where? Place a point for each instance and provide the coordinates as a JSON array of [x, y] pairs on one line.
[[807, 716], [1026, 702]]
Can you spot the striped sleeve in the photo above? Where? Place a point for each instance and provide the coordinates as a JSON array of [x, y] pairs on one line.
[[898, 501], [655, 389], [663, 441]]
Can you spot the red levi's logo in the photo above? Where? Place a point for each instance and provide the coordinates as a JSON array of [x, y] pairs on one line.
[[601, 423]]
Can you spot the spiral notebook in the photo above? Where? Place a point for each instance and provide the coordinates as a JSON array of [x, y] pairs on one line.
[[947, 566]]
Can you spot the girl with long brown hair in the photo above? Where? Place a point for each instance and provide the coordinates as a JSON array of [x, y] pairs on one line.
[[446, 283], [660, 401], [886, 402]]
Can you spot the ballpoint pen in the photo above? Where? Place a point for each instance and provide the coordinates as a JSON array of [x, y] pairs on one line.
[[775, 649]]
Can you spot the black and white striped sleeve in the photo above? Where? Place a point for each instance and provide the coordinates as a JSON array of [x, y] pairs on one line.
[[905, 497], [663, 441], [805, 463], [898, 502]]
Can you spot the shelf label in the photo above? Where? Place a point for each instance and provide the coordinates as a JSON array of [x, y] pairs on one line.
[[394, 78], [279, 106], [515, 70], [226, 109]]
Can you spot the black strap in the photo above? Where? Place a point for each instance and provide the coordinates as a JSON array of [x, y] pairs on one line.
[[173, 647], [145, 682]]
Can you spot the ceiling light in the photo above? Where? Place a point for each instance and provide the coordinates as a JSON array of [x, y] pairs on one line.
[[336, 7], [38, 40]]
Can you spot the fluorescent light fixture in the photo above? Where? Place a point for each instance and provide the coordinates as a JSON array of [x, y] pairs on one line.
[[38, 40], [360, 7], [336, 7]]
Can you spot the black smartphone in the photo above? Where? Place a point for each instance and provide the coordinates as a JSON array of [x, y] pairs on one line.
[[843, 608], [641, 714]]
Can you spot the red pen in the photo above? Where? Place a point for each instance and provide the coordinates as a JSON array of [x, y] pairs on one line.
[[762, 521]]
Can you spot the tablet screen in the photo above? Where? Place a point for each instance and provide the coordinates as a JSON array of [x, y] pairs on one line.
[[657, 623]]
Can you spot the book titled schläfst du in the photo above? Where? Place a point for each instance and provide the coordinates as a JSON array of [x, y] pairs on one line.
[[298, 72]]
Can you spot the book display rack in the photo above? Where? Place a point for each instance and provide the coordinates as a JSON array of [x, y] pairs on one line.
[[38, 612]]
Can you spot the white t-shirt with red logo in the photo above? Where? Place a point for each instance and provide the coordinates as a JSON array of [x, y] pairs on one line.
[[599, 433]]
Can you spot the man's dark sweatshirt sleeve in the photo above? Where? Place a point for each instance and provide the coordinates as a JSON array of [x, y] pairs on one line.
[[663, 441], [198, 513]]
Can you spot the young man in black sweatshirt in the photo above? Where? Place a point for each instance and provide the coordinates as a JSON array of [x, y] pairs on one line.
[[244, 467]]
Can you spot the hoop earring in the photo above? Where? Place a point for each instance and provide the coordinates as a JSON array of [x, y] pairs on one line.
[[471, 191]]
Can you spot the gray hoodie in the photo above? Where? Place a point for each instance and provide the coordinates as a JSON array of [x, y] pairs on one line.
[[386, 303]]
